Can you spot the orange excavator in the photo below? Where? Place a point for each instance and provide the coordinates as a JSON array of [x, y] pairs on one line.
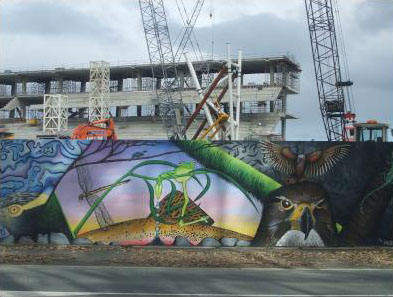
[[97, 130]]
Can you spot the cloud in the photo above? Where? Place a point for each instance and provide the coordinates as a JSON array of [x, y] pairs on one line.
[[375, 16], [368, 53], [259, 34], [70, 32], [53, 19]]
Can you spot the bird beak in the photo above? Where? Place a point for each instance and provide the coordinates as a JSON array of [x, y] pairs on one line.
[[306, 223], [302, 219]]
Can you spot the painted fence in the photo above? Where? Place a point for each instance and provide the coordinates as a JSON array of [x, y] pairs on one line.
[[196, 193]]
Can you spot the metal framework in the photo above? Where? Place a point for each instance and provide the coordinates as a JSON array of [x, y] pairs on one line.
[[189, 25], [99, 91], [55, 117], [325, 52], [170, 103], [221, 125]]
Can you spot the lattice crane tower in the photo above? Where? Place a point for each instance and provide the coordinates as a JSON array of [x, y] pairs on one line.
[[169, 99], [55, 117], [325, 50], [99, 90]]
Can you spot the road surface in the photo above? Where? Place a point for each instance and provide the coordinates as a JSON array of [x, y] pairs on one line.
[[50, 280]]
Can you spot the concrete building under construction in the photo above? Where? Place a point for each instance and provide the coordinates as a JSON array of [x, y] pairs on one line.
[[266, 83]]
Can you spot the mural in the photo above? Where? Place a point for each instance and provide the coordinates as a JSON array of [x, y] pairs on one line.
[[196, 193]]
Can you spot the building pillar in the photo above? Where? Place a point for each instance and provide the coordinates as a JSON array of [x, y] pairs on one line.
[[158, 83], [283, 128], [60, 85], [81, 112], [24, 87], [199, 76], [284, 104], [271, 106], [226, 107], [139, 110], [47, 87], [21, 111], [139, 81], [120, 85], [13, 89], [285, 75], [118, 111], [83, 87], [271, 75], [181, 79]]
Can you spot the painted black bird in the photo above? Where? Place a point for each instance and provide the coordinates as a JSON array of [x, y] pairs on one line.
[[300, 167], [296, 215]]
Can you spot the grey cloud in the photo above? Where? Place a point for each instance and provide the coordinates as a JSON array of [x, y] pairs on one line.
[[375, 16], [259, 34], [370, 64], [53, 19], [369, 54]]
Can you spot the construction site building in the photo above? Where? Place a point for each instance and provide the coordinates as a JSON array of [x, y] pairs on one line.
[[266, 84]]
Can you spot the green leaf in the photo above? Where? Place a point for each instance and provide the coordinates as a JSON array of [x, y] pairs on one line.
[[208, 170], [171, 196], [339, 228], [205, 189], [153, 162], [158, 189]]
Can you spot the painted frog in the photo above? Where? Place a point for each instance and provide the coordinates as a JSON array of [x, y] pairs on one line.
[[181, 174]]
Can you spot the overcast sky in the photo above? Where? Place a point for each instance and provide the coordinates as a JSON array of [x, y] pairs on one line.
[[51, 33]]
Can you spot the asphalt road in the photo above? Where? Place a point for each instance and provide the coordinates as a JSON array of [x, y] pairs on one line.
[[48, 280]]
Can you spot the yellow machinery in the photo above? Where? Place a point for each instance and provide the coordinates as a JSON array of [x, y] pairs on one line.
[[372, 131]]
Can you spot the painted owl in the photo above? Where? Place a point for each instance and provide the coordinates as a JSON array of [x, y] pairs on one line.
[[296, 215], [300, 167]]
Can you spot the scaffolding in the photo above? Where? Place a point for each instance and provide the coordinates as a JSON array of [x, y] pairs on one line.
[[99, 91], [55, 118]]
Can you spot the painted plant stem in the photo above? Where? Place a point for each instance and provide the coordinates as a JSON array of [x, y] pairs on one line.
[[213, 157], [98, 201], [181, 174], [121, 179]]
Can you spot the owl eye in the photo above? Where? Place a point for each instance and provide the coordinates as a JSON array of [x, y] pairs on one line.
[[286, 204]]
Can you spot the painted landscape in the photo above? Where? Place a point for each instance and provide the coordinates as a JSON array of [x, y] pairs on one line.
[[191, 193]]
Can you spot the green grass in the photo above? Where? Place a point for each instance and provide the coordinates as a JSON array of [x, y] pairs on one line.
[[211, 156]]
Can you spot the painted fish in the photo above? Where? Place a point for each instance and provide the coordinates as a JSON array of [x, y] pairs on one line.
[[143, 232]]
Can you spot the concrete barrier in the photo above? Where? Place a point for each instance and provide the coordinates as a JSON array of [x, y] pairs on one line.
[[196, 193]]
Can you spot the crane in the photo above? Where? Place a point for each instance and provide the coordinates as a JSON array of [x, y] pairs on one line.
[[168, 94], [335, 107]]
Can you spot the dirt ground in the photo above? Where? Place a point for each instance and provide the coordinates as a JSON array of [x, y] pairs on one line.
[[198, 257]]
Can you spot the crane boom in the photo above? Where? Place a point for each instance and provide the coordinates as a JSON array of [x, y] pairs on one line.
[[171, 107], [325, 51], [189, 27]]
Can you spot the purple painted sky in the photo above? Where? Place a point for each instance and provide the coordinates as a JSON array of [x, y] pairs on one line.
[[225, 203]]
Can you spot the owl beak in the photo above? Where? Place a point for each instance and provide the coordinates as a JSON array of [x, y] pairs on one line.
[[306, 222]]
